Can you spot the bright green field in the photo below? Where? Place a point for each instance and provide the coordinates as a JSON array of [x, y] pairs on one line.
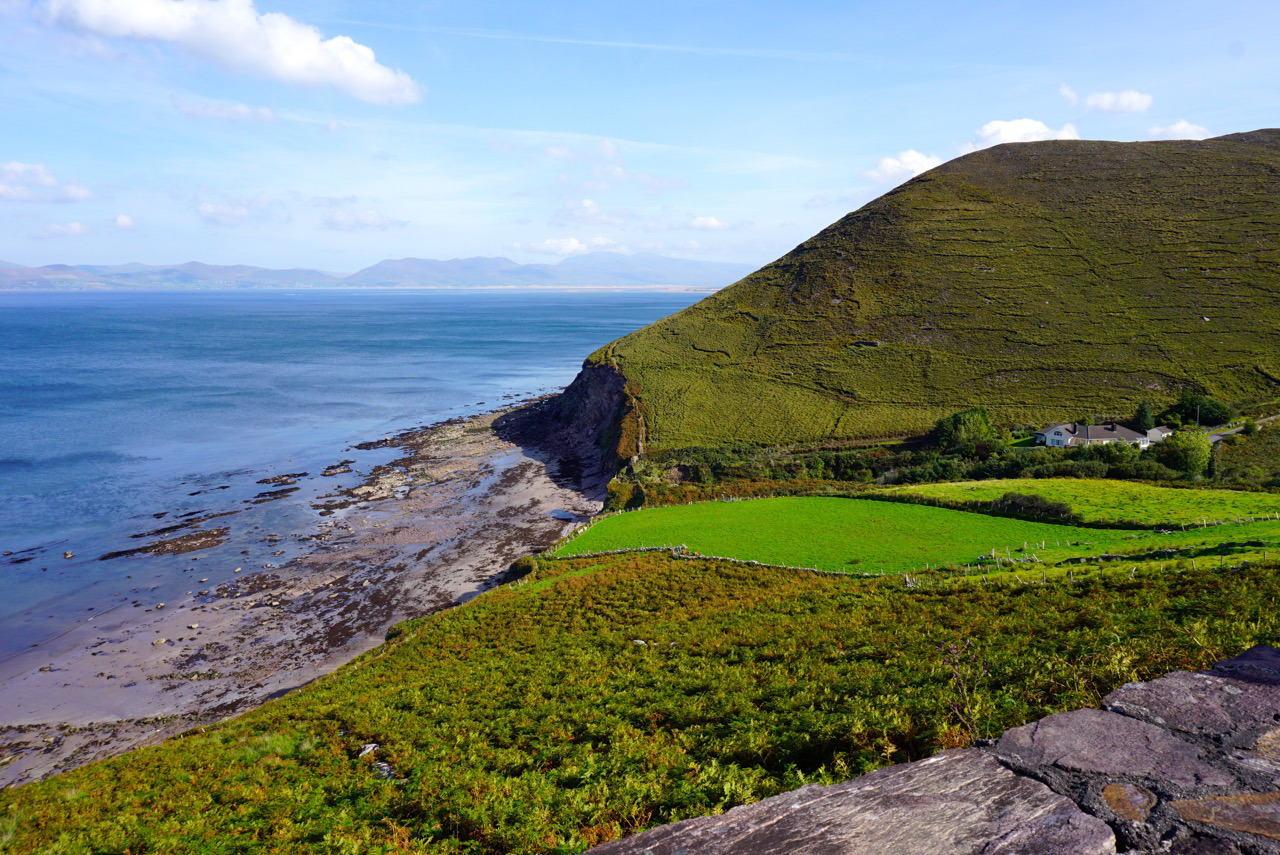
[[826, 533], [1102, 500], [859, 535]]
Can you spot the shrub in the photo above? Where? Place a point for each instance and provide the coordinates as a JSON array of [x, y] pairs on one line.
[[1187, 452], [1020, 504], [967, 431]]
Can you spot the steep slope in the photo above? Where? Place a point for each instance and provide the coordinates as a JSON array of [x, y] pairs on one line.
[[1042, 280]]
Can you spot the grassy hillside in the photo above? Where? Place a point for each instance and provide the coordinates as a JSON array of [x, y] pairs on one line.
[[1099, 500], [1252, 460], [1048, 280], [605, 696]]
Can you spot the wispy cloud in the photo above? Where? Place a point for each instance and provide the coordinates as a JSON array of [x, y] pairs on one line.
[[33, 182], [235, 35], [227, 110], [54, 230], [347, 221], [658, 47], [123, 223], [223, 215], [1128, 101], [1125, 101], [564, 247]]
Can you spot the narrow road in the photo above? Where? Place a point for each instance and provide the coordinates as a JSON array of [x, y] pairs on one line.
[[1217, 436]]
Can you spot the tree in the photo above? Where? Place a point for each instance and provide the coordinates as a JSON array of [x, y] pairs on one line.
[[1202, 409], [965, 432], [1250, 427], [1187, 452], [1145, 418]]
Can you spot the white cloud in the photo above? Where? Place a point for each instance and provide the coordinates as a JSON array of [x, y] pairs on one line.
[[556, 246], [52, 230], [1128, 101], [234, 34], [1070, 94], [34, 174], [1019, 130], [589, 211], [564, 247], [907, 164], [223, 110], [123, 222], [1179, 130], [707, 224], [73, 192], [353, 220], [25, 182], [223, 215]]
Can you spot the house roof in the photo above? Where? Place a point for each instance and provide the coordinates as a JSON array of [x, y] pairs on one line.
[[1096, 433]]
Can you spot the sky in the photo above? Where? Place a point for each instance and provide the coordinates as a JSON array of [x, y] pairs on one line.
[[331, 134]]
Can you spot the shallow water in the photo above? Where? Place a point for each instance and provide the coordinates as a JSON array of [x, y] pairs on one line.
[[118, 407]]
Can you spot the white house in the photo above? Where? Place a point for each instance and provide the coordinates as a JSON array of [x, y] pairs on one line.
[[1073, 434]]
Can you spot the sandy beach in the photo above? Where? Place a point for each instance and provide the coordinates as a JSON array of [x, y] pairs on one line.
[[426, 531]]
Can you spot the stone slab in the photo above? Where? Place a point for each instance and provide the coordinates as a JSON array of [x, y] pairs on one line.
[[1107, 743], [1207, 704], [1251, 813], [1259, 664], [958, 802], [1129, 801]]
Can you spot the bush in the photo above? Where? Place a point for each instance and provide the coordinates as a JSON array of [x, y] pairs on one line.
[[968, 431], [1020, 504], [1194, 408], [1187, 452]]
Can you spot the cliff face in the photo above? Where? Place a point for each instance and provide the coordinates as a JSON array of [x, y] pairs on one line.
[[1045, 281], [601, 410]]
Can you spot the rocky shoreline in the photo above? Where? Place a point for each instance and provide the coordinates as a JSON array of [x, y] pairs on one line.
[[430, 529]]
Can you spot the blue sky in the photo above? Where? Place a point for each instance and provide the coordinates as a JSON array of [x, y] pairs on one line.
[[332, 134]]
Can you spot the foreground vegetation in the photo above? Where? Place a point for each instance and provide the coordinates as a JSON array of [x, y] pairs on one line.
[[1006, 278], [602, 696]]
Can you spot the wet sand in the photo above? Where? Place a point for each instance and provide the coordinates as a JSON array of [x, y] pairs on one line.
[[426, 531]]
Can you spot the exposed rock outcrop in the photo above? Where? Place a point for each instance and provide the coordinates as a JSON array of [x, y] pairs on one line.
[[1188, 763], [959, 802]]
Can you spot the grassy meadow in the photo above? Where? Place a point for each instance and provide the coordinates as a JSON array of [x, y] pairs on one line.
[[604, 696], [1101, 500], [868, 536]]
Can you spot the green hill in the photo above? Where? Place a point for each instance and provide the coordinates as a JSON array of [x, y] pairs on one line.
[[1049, 280]]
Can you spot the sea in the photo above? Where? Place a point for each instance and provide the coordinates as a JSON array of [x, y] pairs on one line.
[[123, 412]]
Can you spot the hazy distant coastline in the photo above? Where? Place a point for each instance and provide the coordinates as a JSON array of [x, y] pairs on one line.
[[597, 270]]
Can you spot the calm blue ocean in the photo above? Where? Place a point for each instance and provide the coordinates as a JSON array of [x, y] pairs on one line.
[[117, 406]]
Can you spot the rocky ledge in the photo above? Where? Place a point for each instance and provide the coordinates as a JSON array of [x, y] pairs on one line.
[[1188, 764]]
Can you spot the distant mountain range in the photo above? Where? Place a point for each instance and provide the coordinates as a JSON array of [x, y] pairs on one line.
[[598, 269]]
